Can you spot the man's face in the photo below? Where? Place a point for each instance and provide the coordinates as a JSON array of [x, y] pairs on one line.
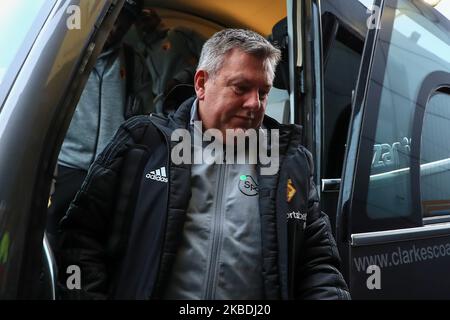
[[236, 97]]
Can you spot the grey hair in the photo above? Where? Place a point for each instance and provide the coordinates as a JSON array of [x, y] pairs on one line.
[[215, 49]]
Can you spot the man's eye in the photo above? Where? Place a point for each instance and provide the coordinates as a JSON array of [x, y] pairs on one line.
[[239, 89], [263, 95]]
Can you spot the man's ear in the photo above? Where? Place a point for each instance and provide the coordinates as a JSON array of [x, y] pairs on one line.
[[200, 78]]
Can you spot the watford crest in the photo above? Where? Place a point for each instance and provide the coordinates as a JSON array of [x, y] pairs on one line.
[[290, 192]]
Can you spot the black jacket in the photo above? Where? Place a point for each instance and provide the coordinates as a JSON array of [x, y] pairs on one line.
[[300, 260]]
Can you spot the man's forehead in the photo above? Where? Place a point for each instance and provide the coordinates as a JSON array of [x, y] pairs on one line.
[[233, 70], [242, 77], [237, 55]]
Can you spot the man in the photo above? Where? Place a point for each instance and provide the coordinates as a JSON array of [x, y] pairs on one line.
[[171, 54], [118, 88], [145, 226]]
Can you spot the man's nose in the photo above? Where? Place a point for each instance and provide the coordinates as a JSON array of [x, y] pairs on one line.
[[253, 102]]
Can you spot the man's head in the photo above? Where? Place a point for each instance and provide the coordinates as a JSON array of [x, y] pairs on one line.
[[129, 14], [233, 78]]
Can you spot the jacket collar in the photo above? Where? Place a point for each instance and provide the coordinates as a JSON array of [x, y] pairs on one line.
[[181, 117], [290, 134]]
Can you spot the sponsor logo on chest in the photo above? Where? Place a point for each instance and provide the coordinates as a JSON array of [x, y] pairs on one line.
[[248, 185], [297, 215]]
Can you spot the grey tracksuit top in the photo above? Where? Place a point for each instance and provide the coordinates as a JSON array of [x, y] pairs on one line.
[[98, 114], [220, 255]]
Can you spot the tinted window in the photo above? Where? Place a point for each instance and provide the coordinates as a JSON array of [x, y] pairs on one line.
[[417, 47], [435, 156], [341, 72], [413, 45]]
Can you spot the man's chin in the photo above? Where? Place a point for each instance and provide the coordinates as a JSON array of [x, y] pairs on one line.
[[241, 123]]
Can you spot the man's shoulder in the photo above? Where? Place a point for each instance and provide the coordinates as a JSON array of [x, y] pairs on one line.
[[136, 122], [131, 131], [290, 135], [272, 123], [305, 154], [135, 125], [137, 132]]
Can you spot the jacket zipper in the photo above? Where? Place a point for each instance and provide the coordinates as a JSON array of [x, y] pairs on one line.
[[217, 214]]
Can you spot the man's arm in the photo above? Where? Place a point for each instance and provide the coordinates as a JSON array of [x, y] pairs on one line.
[[319, 276], [87, 229], [84, 235]]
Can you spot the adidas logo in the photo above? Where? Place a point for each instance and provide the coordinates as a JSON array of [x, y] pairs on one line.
[[158, 175]]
